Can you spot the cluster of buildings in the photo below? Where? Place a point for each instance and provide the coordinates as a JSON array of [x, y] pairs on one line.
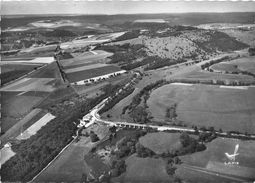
[[99, 78]]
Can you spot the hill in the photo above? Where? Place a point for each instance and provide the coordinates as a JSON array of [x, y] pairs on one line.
[[194, 44], [173, 45]]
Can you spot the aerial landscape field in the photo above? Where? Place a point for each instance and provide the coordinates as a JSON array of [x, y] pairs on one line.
[[237, 65], [94, 92], [207, 106]]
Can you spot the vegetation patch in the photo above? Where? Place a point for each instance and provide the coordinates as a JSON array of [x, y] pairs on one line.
[[15, 107], [59, 33], [218, 78], [219, 41], [245, 64], [128, 35], [126, 55], [11, 72], [90, 73], [138, 112], [162, 62], [31, 156], [123, 94], [120, 145]]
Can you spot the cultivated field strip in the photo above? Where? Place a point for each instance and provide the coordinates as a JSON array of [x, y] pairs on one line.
[[83, 68]]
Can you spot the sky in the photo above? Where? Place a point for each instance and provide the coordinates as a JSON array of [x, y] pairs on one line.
[[121, 7]]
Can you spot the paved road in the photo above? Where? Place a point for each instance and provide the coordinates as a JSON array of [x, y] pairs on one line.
[[96, 118]]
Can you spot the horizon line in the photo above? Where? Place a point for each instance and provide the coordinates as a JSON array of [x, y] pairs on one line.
[[215, 12]]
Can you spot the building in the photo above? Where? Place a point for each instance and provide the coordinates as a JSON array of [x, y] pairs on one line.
[[99, 78]]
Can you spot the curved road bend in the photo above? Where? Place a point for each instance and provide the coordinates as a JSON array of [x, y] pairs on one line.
[[96, 118]]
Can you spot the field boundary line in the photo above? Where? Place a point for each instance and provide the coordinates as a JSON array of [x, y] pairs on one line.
[[53, 159], [210, 172], [21, 77]]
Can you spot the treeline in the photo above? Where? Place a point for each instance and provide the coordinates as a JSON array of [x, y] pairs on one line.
[[219, 41], [226, 58], [127, 56], [130, 145], [124, 54], [138, 97], [152, 26], [59, 33], [213, 82], [126, 147], [238, 72], [212, 62], [133, 56], [132, 53], [138, 112], [238, 135], [223, 42], [189, 145], [207, 134], [113, 48], [115, 99], [146, 90], [151, 61], [251, 51], [153, 29], [123, 92], [133, 65], [163, 62], [174, 31], [247, 73], [33, 154]]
